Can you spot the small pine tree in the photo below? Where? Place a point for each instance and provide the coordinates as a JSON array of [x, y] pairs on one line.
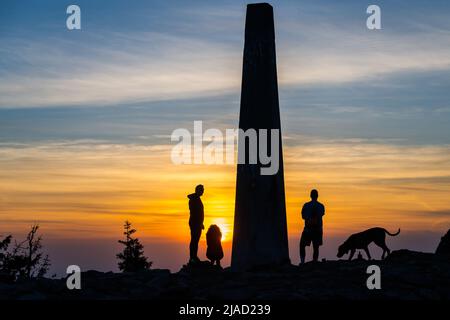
[[132, 258]]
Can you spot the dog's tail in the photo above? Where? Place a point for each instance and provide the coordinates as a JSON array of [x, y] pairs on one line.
[[392, 234]]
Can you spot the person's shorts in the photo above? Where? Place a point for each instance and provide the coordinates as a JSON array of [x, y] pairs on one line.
[[312, 235]]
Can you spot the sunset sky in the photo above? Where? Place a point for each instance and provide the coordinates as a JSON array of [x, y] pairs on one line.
[[86, 118]]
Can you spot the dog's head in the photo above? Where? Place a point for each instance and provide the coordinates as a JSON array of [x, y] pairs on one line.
[[343, 249]]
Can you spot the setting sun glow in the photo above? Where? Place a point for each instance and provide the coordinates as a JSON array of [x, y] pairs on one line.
[[225, 228]]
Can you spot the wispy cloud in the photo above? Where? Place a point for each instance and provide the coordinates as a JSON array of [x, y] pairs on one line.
[[328, 53], [112, 67], [146, 66]]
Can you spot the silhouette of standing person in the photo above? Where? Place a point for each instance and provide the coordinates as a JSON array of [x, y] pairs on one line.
[[312, 213], [195, 221]]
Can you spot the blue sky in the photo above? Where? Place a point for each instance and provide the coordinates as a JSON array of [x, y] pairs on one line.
[[146, 68]]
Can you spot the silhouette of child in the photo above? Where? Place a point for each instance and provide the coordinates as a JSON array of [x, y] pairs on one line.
[[214, 251]]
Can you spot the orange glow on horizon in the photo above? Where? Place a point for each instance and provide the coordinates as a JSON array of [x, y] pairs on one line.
[[84, 193]]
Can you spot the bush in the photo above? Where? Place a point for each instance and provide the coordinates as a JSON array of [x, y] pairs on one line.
[[25, 260]]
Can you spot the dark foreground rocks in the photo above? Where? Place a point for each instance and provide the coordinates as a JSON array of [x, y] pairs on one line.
[[443, 248], [405, 275]]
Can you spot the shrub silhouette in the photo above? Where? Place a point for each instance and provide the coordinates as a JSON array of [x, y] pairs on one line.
[[4, 245], [132, 258], [26, 259]]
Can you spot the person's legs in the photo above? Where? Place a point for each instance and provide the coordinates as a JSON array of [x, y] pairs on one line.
[[302, 253], [317, 242], [193, 246], [315, 252], [302, 247]]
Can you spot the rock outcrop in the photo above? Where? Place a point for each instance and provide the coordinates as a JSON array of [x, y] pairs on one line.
[[443, 248], [405, 275]]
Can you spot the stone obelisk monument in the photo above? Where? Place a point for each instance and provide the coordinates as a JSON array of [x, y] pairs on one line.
[[260, 230]]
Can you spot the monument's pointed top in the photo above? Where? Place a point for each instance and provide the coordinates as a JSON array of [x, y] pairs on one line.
[[260, 4], [259, 21]]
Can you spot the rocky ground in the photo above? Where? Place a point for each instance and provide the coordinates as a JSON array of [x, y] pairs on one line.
[[405, 275]]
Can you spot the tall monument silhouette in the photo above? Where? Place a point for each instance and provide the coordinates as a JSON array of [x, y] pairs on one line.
[[260, 230]]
